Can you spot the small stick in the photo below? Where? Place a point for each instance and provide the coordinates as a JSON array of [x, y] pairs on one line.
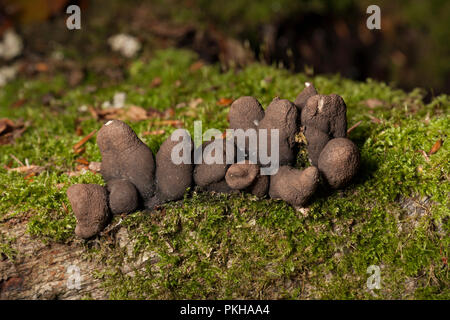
[[17, 160], [83, 141], [354, 126]]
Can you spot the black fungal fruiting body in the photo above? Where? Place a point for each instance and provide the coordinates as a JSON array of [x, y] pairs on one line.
[[209, 175], [281, 114], [172, 180], [125, 156], [123, 196], [90, 206], [294, 186], [136, 179], [323, 117], [339, 162]]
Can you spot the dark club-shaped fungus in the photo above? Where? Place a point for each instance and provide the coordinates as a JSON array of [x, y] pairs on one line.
[[123, 197], [125, 156], [90, 206], [324, 117], [294, 186], [173, 176], [339, 162]]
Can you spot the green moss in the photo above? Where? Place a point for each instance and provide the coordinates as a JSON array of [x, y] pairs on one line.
[[221, 246], [7, 249]]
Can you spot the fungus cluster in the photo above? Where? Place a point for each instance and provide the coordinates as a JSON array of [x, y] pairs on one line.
[[136, 179]]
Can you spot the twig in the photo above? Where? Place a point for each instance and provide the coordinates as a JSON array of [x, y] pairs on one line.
[[83, 141], [354, 126], [17, 160]]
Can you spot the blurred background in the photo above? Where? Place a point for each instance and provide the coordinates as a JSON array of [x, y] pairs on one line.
[[312, 36]]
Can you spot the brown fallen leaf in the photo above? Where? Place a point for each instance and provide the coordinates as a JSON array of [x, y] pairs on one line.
[[435, 148], [195, 102], [28, 169], [75, 77], [374, 119], [196, 66], [80, 151], [132, 113], [5, 124], [18, 103], [93, 113], [29, 177], [153, 133], [41, 67], [78, 146], [156, 82], [173, 123], [373, 103], [10, 130], [95, 166], [79, 131], [80, 167], [82, 161], [224, 102], [354, 126]]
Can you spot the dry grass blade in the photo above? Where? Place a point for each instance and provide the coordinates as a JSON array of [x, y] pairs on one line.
[[28, 169], [78, 146], [354, 126], [153, 133]]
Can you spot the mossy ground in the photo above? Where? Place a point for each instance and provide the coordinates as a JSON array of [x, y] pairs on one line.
[[222, 246]]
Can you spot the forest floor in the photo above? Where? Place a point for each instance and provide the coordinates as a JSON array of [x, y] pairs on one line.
[[395, 215]]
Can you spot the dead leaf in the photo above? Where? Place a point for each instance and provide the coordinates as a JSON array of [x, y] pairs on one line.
[[80, 167], [5, 124], [196, 66], [18, 103], [173, 123], [41, 67], [435, 148], [78, 146], [75, 77], [10, 130], [195, 102], [224, 102], [28, 169], [80, 151], [95, 166], [79, 131], [375, 120], [82, 161], [373, 103], [156, 82], [134, 113], [153, 133], [29, 177]]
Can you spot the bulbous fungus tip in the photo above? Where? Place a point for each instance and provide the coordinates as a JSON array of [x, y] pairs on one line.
[[339, 162], [90, 206]]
